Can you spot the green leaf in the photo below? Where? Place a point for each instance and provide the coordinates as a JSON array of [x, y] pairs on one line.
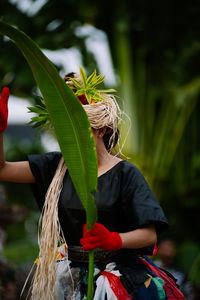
[[71, 125], [37, 109], [90, 78], [83, 76], [107, 91], [69, 119], [99, 79], [80, 92], [88, 96], [76, 83]]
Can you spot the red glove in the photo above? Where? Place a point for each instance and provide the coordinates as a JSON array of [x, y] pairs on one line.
[[100, 237], [4, 109]]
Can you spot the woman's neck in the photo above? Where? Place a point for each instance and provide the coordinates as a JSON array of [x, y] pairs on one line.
[[105, 160]]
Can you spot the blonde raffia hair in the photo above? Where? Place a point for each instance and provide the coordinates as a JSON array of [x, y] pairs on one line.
[[43, 283], [103, 113]]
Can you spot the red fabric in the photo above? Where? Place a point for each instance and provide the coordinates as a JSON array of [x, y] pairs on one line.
[[83, 99], [100, 237], [116, 286], [155, 249], [4, 109], [170, 287]]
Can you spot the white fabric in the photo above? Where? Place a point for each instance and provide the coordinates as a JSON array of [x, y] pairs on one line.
[[64, 275], [62, 280], [103, 287]]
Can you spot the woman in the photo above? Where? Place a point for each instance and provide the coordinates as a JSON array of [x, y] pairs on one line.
[[129, 217]]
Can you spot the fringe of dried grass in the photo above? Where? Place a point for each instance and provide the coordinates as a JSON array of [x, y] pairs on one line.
[[43, 285]]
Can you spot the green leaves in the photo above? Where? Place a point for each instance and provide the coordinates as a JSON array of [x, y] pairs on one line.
[[68, 117], [42, 120], [88, 88]]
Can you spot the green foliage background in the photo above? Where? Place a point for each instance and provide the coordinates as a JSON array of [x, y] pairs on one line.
[[155, 48]]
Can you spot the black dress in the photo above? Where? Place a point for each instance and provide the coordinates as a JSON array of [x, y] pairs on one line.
[[124, 202]]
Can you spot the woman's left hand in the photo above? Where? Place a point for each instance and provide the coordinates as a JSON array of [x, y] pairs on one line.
[[100, 237]]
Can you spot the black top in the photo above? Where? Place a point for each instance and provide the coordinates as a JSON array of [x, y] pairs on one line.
[[123, 198]]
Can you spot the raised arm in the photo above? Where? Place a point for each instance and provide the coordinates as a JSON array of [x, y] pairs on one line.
[[11, 171]]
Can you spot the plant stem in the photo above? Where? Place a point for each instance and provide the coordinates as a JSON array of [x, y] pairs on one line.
[[90, 289]]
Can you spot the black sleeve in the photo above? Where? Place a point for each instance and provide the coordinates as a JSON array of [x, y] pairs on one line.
[[43, 167], [139, 204]]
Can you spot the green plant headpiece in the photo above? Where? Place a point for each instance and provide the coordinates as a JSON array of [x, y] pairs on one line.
[[85, 88]]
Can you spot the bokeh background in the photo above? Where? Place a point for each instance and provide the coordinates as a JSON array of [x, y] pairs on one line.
[[149, 52]]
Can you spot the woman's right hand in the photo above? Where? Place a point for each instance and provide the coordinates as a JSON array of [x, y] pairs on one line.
[[4, 109]]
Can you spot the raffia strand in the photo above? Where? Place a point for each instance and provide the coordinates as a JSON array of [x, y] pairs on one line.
[[43, 286]]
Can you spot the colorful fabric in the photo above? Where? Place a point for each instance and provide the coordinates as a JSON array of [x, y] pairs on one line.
[[109, 285], [171, 290], [148, 281], [160, 287], [61, 252], [150, 293]]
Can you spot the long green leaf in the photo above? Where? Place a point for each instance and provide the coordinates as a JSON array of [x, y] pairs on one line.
[[69, 119]]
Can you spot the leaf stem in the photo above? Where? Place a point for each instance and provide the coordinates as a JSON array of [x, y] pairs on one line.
[[90, 289]]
